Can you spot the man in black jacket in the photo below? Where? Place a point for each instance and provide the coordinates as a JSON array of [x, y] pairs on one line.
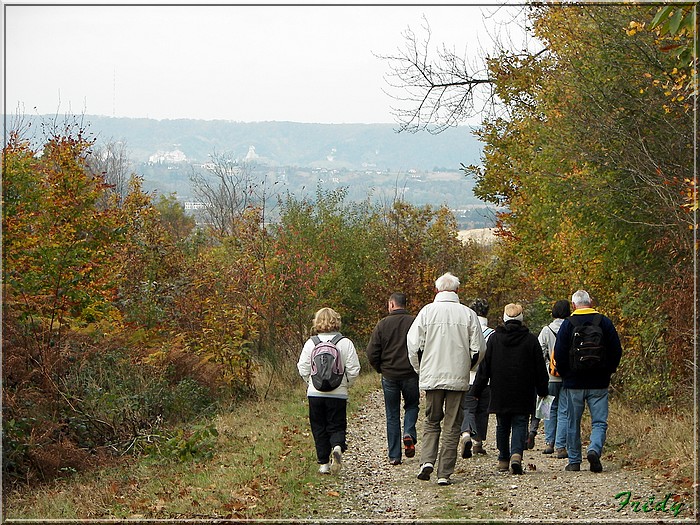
[[586, 384], [515, 366], [388, 355]]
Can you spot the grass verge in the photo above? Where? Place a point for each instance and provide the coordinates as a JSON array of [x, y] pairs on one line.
[[264, 466], [662, 442]]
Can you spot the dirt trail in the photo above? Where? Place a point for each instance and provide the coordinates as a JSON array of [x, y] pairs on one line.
[[369, 488]]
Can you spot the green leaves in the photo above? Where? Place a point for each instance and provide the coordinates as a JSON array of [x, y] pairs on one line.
[[678, 22], [592, 162], [674, 19]]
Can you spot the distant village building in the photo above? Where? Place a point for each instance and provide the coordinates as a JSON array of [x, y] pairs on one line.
[[191, 206], [251, 155], [478, 235], [168, 157]]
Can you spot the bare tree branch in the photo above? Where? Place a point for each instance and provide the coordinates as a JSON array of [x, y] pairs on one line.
[[433, 94], [111, 160], [223, 187]]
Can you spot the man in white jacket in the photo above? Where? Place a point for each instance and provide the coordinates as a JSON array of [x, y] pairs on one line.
[[444, 342]]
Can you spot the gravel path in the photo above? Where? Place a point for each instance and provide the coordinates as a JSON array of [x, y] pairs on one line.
[[368, 488]]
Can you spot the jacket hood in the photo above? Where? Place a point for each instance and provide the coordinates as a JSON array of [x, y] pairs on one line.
[[513, 332]]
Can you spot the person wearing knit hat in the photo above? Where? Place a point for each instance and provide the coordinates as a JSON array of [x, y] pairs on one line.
[[476, 411], [534, 422], [515, 368]]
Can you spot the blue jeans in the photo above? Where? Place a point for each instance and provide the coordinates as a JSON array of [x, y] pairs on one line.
[[393, 390], [562, 421], [511, 444], [555, 426], [576, 400]]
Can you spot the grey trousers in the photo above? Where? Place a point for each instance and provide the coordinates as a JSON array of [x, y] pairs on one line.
[[443, 412]]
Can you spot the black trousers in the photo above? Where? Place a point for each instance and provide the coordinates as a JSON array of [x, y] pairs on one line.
[[327, 416]]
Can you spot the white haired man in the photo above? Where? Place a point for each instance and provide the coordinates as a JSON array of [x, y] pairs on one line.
[[444, 342], [585, 361]]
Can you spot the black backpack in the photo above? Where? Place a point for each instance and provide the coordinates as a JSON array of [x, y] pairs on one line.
[[327, 369], [587, 344]]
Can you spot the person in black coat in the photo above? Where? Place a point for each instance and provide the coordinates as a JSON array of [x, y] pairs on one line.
[[515, 367]]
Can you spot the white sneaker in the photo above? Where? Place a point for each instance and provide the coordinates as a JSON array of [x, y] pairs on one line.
[[444, 481], [426, 469], [465, 445], [336, 460], [325, 468]]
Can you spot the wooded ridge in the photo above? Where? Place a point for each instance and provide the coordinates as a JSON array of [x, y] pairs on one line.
[[350, 146]]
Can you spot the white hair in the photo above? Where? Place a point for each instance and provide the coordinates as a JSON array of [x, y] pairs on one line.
[[581, 298], [446, 282]]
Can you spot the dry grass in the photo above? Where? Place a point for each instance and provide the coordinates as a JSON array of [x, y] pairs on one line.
[[663, 442], [265, 467]]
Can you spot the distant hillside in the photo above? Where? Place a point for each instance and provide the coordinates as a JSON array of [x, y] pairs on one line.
[[351, 146], [367, 160]]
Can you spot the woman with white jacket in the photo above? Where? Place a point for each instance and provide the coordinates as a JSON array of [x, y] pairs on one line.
[[328, 409], [555, 426]]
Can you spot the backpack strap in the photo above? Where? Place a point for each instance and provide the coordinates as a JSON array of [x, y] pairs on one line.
[[335, 340], [316, 339]]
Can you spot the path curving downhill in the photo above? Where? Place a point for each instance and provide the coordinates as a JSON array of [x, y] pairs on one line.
[[368, 488]]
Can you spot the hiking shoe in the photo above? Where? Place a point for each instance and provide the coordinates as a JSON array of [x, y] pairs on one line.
[[394, 462], [594, 460], [409, 446], [515, 463], [531, 440], [426, 469], [502, 465], [325, 468], [336, 460], [465, 445], [562, 453], [548, 448], [444, 481], [478, 448], [573, 467]]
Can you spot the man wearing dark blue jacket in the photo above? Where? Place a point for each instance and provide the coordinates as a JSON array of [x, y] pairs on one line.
[[586, 376]]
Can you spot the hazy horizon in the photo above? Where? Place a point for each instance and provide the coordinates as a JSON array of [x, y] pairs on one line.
[[237, 63]]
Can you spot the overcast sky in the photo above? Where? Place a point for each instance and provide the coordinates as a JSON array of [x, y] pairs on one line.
[[229, 62]]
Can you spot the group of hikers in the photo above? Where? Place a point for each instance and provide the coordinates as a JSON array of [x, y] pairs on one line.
[[467, 371]]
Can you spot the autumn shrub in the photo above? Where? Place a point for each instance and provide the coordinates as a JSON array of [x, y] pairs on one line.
[[354, 255], [590, 160], [80, 269], [102, 403], [127, 398]]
